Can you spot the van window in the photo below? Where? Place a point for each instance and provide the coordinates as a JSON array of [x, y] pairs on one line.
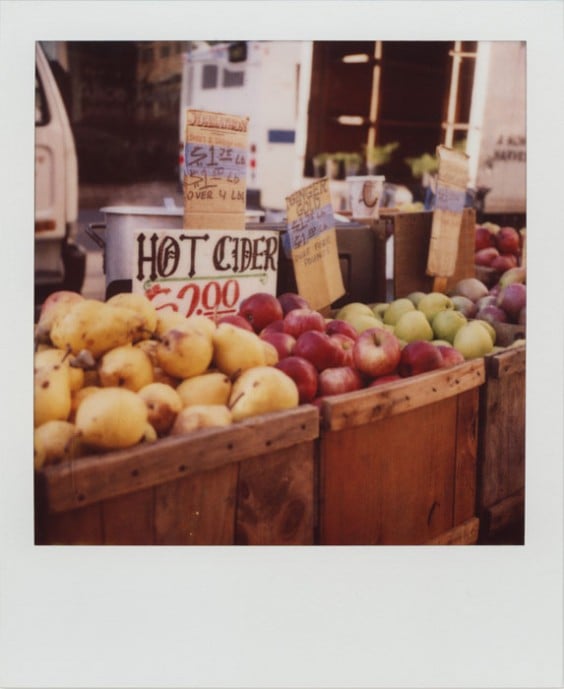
[[209, 76], [233, 78], [41, 109]]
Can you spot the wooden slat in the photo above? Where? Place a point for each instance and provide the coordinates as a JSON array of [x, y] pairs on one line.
[[197, 510], [506, 363], [128, 519], [465, 476], [501, 442], [275, 500], [91, 479], [371, 404], [507, 512], [390, 482], [82, 526], [463, 534]]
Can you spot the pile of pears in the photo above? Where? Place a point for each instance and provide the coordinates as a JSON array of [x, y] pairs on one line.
[[111, 374]]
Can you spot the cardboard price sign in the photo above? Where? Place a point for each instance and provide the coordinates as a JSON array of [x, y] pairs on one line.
[[452, 180], [313, 244], [203, 272], [215, 169]]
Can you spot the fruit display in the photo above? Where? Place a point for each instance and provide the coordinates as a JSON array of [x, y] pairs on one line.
[[497, 250]]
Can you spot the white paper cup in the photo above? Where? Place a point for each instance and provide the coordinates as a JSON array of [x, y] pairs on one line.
[[365, 196]]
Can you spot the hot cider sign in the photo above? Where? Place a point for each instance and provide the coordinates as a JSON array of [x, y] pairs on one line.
[[201, 272]]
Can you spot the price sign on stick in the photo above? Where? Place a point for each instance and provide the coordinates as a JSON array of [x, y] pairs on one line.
[[452, 180], [215, 169], [313, 244]]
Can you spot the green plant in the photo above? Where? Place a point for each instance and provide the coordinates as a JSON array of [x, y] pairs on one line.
[[380, 155]]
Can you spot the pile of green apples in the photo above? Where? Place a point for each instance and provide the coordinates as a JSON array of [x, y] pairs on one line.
[[430, 317]]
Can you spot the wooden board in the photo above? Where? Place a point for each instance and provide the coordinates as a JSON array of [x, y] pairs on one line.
[[412, 233], [502, 427], [398, 462]]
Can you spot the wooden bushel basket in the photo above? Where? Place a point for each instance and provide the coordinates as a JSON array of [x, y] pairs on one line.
[[397, 463], [501, 447], [249, 483]]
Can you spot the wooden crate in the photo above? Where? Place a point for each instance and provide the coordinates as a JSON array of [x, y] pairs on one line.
[[501, 446], [397, 463], [412, 234], [250, 483]]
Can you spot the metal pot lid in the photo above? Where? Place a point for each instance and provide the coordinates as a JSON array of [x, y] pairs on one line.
[[143, 210]]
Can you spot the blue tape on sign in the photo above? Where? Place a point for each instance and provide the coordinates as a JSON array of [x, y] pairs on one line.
[[448, 199], [281, 136], [310, 225], [217, 161]]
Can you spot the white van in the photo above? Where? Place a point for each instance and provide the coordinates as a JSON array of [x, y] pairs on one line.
[[59, 262]]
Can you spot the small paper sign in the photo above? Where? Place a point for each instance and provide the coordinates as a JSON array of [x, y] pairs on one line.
[[452, 180], [201, 271], [313, 244], [215, 170]]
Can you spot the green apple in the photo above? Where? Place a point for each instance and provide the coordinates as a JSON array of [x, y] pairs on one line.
[[415, 297], [379, 308], [447, 323], [396, 309], [361, 321], [473, 340], [413, 325], [489, 327], [433, 302], [353, 307]]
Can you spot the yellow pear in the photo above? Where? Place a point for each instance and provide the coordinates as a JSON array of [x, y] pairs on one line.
[[150, 434], [236, 349], [208, 388], [203, 322], [77, 396], [96, 326], [163, 404], [141, 305], [260, 390], [52, 356], [52, 393], [56, 441], [185, 351], [201, 416], [270, 353], [125, 367], [168, 319], [54, 306], [112, 418]]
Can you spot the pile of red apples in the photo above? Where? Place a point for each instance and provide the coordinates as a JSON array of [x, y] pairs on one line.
[[329, 356], [498, 248]]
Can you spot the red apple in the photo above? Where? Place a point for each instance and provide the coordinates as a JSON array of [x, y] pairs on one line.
[[236, 319], [290, 301], [485, 301], [485, 257], [382, 380], [340, 379], [282, 342], [512, 298], [492, 313], [274, 327], [450, 355], [303, 373], [298, 321], [507, 240], [318, 348], [418, 357], [336, 325], [504, 262], [483, 238], [347, 344], [260, 309], [376, 352]]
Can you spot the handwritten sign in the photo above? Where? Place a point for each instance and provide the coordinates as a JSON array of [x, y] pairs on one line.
[[215, 155], [312, 242], [205, 272], [452, 180]]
